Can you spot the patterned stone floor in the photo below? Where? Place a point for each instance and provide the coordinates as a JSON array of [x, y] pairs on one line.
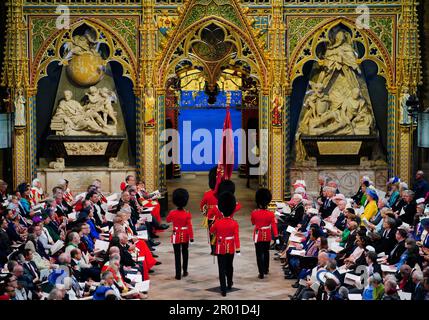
[[203, 272]]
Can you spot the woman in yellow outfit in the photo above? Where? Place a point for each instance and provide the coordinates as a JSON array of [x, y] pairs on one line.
[[371, 207]]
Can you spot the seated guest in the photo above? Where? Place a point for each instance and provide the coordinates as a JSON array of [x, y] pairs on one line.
[[51, 227], [30, 268], [390, 291], [357, 254], [425, 239], [397, 207], [98, 213], [67, 194], [388, 236], [41, 262], [82, 269], [371, 262], [114, 266], [329, 205], [395, 255], [15, 231], [371, 207], [5, 242], [306, 292], [43, 241], [3, 191], [411, 255], [63, 208], [408, 210], [107, 284], [331, 291], [349, 241], [86, 242], [405, 280], [297, 210], [393, 185], [25, 204], [86, 215], [55, 225], [338, 198], [375, 288], [419, 291], [73, 241], [361, 200], [37, 194]]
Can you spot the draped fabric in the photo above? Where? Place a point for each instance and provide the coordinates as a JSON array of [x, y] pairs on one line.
[[226, 159]]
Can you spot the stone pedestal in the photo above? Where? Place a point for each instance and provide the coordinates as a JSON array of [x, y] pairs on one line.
[[80, 178], [348, 176]]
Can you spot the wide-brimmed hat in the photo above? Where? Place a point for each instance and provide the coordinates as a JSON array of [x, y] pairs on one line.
[[372, 193]]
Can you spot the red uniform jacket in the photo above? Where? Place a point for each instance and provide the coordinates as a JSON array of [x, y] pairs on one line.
[[209, 201], [227, 236], [214, 213], [182, 226], [264, 221]]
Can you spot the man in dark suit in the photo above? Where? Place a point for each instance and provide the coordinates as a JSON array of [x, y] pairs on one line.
[[419, 292], [99, 214], [350, 243], [388, 237], [409, 209], [5, 243], [30, 268], [62, 207], [398, 250], [328, 205], [126, 257], [373, 265]]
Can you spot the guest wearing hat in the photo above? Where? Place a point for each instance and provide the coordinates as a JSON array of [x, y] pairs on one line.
[[393, 185], [371, 207], [227, 238]]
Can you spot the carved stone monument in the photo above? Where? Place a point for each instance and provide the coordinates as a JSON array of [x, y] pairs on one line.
[[337, 117], [85, 121]]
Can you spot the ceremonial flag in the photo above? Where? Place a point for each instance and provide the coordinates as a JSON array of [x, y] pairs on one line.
[[226, 158]]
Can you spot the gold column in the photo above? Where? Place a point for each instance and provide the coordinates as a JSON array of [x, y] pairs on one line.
[[148, 143], [277, 126], [408, 79], [405, 152], [15, 76]]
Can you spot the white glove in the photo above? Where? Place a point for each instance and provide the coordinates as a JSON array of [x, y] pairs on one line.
[[238, 254], [191, 242], [277, 241]]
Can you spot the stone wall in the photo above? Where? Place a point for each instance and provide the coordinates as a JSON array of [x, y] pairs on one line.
[[348, 177], [79, 178]]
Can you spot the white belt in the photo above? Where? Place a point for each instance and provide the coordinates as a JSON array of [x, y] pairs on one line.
[[257, 231], [228, 238], [182, 228]]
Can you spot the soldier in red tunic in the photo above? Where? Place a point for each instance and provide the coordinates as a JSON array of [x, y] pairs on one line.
[[182, 230], [209, 199], [265, 227], [214, 213], [227, 242]]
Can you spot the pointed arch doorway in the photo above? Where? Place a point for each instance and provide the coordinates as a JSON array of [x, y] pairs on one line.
[[211, 55]]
